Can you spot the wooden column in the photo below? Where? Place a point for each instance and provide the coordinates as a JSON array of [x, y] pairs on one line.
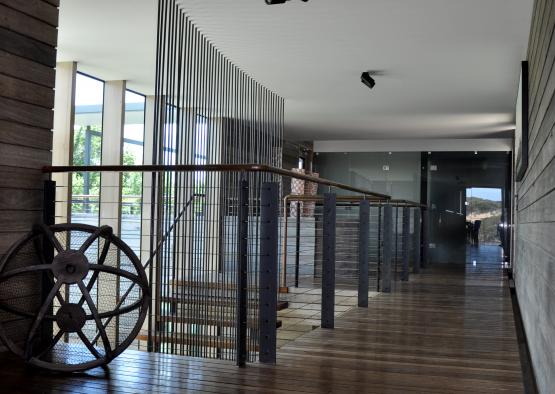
[[28, 39]]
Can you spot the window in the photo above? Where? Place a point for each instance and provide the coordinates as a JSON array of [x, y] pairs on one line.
[[132, 182], [87, 149], [301, 163]]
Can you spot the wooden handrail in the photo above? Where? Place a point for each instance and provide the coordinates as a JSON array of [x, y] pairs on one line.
[[213, 168]]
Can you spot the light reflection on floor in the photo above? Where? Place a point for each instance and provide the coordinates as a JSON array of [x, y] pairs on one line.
[[484, 254], [303, 313]]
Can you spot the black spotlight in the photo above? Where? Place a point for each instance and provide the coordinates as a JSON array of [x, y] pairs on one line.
[[367, 79]]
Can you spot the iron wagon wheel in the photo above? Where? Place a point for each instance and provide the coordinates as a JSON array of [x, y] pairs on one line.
[[81, 332]]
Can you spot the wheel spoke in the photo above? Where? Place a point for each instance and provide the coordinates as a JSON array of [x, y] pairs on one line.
[[94, 311], [119, 310], [88, 344], [31, 268], [101, 231], [39, 318], [53, 343], [38, 247], [52, 238], [16, 312], [115, 271], [101, 261]]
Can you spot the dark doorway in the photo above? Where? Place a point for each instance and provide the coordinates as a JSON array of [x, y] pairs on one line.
[[450, 175]]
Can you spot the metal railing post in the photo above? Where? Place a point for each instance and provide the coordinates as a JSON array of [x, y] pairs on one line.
[[242, 266], [425, 237], [417, 241], [387, 248], [380, 244], [269, 222], [297, 245], [396, 242], [48, 218], [328, 262], [406, 243], [363, 244]]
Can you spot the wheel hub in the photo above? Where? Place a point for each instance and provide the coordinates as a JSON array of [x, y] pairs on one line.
[[70, 266], [71, 317]]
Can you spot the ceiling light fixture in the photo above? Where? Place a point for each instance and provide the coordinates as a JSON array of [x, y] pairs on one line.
[[272, 2], [366, 79]]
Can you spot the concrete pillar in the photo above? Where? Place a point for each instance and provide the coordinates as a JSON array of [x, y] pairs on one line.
[[112, 137], [110, 191]]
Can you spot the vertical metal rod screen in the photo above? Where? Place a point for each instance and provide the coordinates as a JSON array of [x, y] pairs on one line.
[[207, 111]]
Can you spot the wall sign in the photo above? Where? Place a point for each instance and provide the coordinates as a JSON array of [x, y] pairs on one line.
[[521, 130]]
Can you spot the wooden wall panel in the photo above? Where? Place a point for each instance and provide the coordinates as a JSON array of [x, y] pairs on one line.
[[19, 134], [30, 115], [39, 9], [20, 178], [28, 92], [28, 26], [28, 36], [26, 70], [534, 264], [20, 45], [24, 157]]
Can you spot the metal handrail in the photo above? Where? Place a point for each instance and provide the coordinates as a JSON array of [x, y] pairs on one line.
[[213, 168], [319, 198], [355, 199]]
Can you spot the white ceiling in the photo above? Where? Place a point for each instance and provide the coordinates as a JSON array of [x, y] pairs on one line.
[[450, 67]]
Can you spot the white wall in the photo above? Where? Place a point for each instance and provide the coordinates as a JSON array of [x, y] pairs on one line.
[[416, 145]]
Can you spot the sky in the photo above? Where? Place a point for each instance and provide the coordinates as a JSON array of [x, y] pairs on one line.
[[485, 193]]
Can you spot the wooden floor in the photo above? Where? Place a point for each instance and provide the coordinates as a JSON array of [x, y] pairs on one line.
[[449, 330]]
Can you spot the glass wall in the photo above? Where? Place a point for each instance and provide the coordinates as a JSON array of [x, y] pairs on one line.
[[454, 179], [132, 182], [87, 149], [396, 173]]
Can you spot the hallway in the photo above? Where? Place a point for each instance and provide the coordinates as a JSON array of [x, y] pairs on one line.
[[449, 330]]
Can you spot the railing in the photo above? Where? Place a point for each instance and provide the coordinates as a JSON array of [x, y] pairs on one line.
[[219, 251]]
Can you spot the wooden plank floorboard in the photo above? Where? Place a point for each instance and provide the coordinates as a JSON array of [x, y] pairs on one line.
[[447, 330]]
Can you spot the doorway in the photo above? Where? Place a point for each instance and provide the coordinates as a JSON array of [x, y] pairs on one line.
[[483, 215]]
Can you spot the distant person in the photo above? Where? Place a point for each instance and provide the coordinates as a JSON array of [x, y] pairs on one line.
[[469, 227], [476, 232]]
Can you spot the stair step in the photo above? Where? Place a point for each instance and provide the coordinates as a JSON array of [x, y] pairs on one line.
[[194, 340], [281, 305], [203, 285], [214, 321]]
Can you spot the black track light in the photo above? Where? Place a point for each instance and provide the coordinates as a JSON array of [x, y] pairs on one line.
[[271, 2], [367, 79]]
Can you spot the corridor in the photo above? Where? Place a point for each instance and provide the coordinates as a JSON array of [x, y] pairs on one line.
[[448, 330]]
